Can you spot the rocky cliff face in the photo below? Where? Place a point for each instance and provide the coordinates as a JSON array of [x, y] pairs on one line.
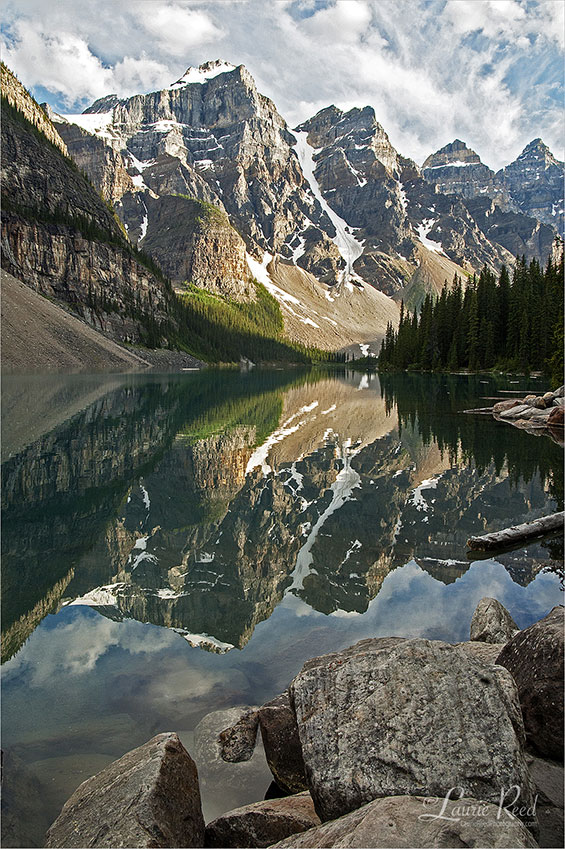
[[333, 197], [18, 97], [457, 170], [194, 242], [390, 216], [527, 195], [535, 182], [60, 238], [228, 144]]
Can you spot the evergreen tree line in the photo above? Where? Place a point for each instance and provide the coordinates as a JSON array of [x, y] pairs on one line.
[[511, 324], [217, 330]]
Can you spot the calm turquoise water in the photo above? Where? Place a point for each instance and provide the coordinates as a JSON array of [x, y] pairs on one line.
[[177, 545]]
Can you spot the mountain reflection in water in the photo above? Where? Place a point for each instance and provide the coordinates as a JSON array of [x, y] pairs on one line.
[[197, 502]]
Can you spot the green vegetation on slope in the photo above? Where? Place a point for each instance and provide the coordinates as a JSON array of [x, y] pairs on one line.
[[512, 325], [208, 326], [218, 330]]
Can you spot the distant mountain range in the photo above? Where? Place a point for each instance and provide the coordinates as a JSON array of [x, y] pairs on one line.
[[207, 178]]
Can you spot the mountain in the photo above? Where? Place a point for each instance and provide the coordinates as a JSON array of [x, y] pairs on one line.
[[535, 183], [329, 208], [401, 236], [58, 235], [209, 184], [519, 208]]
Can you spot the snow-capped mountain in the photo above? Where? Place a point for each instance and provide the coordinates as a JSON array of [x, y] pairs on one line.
[[332, 217], [532, 185]]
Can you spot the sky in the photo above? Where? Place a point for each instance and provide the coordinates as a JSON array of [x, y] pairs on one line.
[[489, 72]]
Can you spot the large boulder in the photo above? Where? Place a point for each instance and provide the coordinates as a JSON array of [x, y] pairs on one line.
[[535, 659], [485, 652], [263, 823], [556, 417], [413, 822], [507, 404], [491, 622], [149, 797], [389, 717], [281, 741]]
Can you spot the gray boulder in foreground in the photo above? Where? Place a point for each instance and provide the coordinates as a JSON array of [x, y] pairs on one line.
[[485, 652], [282, 744], [535, 659], [389, 717], [263, 823], [149, 797], [491, 622], [396, 823]]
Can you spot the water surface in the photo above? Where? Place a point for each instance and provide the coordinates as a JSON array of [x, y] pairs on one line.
[[177, 545]]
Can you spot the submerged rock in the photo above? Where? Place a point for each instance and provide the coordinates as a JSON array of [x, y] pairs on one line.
[[491, 622], [412, 822], [281, 741], [390, 717], [237, 742], [148, 798], [263, 823], [226, 785], [535, 659]]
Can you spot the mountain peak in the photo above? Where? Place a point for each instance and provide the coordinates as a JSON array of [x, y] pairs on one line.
[[453, 154], [536, 150], [204, 72]]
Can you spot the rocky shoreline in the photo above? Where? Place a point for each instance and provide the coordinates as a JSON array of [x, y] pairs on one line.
[[392, 742], [534, 413]]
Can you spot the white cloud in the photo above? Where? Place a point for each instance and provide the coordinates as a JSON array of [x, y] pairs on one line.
[[74, 647], [176, 27], [487, 71]]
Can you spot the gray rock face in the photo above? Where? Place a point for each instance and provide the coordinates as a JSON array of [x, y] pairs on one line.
[[485, 652], [391, 717], [193, 242], [535, 659], [548, 779], [263, 823], [534, 181], [149, 797], [518, 233], [529, 188], [59, 238], [457, 170], [491, 622], [237, 743], [397, 822], [282, 744]]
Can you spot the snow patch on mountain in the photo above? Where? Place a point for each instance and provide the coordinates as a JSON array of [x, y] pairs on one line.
[[203, 73], [348, 246], [94, 123], [423, 230]]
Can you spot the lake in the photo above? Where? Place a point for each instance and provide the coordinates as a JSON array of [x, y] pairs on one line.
[[176, 545]]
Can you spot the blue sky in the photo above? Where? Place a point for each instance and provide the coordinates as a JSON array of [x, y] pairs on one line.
[[489, 72]]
